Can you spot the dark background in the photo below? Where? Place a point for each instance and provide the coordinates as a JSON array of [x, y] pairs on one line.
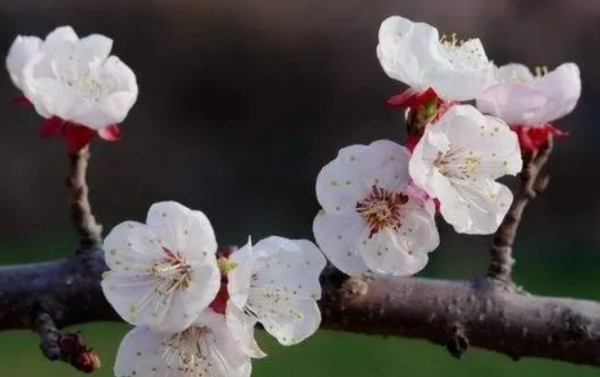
[[241, 103]]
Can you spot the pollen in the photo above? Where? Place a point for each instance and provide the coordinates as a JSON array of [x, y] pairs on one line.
[[381, 209]]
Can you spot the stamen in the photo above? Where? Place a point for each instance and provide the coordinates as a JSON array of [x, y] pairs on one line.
[[381, 209]]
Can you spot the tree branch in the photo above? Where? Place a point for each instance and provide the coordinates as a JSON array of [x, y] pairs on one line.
[[456, 314], [532, 184], [90, 232]]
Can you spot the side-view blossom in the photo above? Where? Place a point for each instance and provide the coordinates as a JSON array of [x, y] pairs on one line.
[[414, 53], [276, 283], [206, 348], [371, 219], [164, 273], [75, 84], [529, 103], [457, 162]]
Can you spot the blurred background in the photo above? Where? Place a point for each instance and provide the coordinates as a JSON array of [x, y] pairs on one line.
[[242, 102]]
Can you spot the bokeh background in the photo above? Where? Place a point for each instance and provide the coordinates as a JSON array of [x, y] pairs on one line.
[[242, 101]]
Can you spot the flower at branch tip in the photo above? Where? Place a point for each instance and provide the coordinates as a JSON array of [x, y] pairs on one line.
[[529, 103], [277, 284], [164, 273], [372, 218], [457, 162], [206, 348], [414, 53], [74, 84]]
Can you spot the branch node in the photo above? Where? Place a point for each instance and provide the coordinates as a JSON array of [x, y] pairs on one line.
[[458, 343], [64, 346]]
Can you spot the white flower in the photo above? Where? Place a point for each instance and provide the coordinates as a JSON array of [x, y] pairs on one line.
[[73, 79], [277, 284], [162, 273], [413, 53], [204, 349], [520, 98], [457, 161], [371, 219], [21, 51]]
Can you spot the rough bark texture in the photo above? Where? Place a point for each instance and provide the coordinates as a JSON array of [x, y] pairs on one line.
[[482, 313]]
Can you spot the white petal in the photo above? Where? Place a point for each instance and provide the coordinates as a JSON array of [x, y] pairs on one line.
[[338, 236], [183, 230], [466, 74], [403, 251], [184, 305], [290, 322], [563, 87], [475, 207], [140, 354], [338, 183], [21, 51], [59, 37], [241, 326], [293, 266], [514, 72], [238, 279], [131, 246], [515, 103], [93, 47], [407, 49], [347, 179], [224, 357]]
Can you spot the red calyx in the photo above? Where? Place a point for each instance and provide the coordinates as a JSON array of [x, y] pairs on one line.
[[74, 351], [410, 98], [532, 138], [219, 304], [77, 136], [21, 101]]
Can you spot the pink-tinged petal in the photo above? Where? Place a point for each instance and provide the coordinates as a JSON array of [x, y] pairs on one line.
[[112, 132], [515, 103], [51, 127], [77, 137]]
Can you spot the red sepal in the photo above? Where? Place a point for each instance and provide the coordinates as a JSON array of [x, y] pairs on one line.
[[411, 98], [77, 137], [51, 127], [21, 101], [112, 132], [532, 138]]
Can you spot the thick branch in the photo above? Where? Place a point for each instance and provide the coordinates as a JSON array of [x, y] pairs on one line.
[[89, 230], [483, 313], [532, 184]]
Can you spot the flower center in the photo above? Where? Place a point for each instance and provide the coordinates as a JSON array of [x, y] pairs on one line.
[[174, 269], [381, 209], [458, 163], [186, 346]]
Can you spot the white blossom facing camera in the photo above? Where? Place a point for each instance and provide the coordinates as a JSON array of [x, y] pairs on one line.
[[163, 273], [206, 348], [276, 283], [372, 220], [75, 84], [522, 98], [414, 53], [458, 160]]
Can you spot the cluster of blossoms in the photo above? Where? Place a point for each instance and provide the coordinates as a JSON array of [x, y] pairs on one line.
[[379, 201], [74, 84], [194, 309]]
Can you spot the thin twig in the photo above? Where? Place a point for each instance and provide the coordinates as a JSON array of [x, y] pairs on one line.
[[532, 184], [90, 232], [67, 347]]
